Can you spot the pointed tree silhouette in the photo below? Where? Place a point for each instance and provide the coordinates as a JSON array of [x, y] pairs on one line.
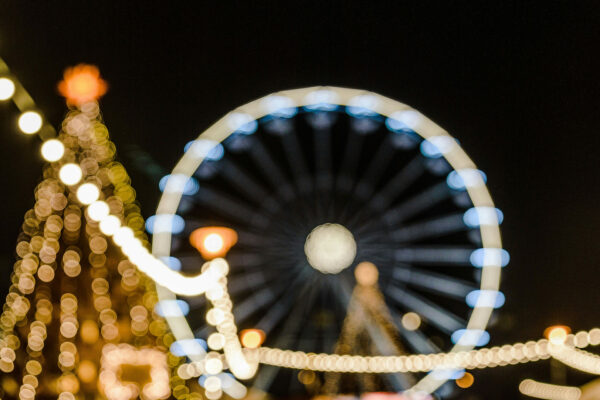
[[79, 320]]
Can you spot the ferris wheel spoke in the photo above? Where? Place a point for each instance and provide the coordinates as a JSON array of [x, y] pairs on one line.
[[292, 325], [416, 339], [346, 177], [386, 195], [296, 160], [271, 170], [445, 285], [435, 315], [384, 155], [249, 186], [438, 255], [323, 170], [417, 204], [225, 205], [437, 227], [440, 226]]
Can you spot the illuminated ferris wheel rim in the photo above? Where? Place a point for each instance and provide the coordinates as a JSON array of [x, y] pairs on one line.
[[364, 103]]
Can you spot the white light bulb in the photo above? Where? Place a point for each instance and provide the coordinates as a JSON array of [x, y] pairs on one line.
[[216, 341], [213, 366], [98, 210], [109, 225], [212, 384], [70, 174], [30, 122], [88, 193], [7, 88], [53, 150]]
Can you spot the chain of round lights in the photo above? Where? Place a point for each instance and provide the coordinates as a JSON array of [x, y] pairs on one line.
[[541, 390]]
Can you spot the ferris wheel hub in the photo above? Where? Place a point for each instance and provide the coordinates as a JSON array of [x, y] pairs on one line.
[[330, 248]]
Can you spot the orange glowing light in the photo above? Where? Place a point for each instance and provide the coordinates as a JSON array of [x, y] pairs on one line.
[[252, 338], [557, 334], [465, 381], [213, 241], [81, 84]]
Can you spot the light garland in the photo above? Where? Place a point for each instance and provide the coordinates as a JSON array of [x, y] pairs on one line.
[[540, 390]]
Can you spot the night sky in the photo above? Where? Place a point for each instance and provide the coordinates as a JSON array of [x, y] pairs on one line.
[[516, 82]]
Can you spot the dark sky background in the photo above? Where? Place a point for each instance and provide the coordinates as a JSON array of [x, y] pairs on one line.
[[516, 82]]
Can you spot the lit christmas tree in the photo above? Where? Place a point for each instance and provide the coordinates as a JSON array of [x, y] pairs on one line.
[[79, 321]]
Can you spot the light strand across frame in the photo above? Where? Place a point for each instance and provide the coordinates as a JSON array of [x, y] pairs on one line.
[[371, 102]]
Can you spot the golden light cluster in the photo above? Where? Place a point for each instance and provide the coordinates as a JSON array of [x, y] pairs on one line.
[[68, 277]]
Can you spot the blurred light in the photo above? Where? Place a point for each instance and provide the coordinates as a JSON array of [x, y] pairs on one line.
[[252, 338], [241, 123], [213, 366], [53, 150], [109, 225], [213, 241], [362, 106], [212, 384], [470, 337], [179, 183], [437, 146], [216, 341], [366, 274], [81, 84], [540, 390], [445, 374], [489, 256], [557, 334], [30, 122], [485, 298], [460, 180], [172, 263], [88, 193], [165, 223], [188, 347], [477, 216], [404, 119], [206, 149], [7, 88], [70, 174], [279, 106], [466, 381], [330, 248], [98, 210], [172, 308], [411, 321], [321, 100]]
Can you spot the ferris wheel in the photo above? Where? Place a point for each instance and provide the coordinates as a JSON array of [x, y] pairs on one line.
[[298, 189]]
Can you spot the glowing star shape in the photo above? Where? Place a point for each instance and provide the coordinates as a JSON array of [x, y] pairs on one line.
[[81, 84], [128, 372]]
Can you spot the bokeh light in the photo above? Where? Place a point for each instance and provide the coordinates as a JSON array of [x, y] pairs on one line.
[[7, 88], [53, 150], [30, 122]]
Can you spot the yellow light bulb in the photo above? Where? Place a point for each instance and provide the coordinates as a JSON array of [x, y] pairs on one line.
[[88, 193], [7, 88], [70, 174], [53, 150], [98, 210], [30, 122]]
